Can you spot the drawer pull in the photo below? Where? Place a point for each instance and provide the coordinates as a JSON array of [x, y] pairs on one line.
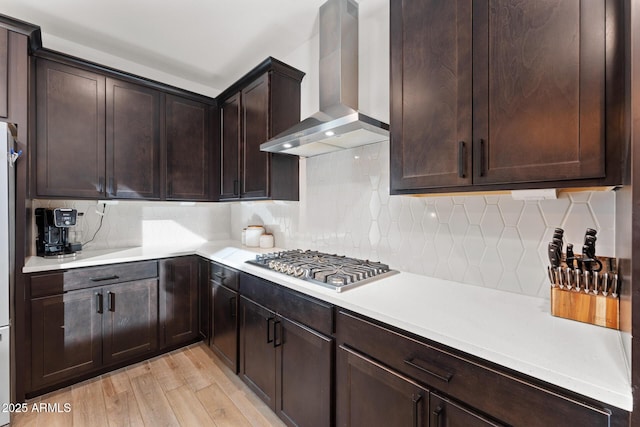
[[220, 276], [434, 372], [102, 279]]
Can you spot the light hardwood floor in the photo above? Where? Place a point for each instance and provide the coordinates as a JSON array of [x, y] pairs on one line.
[[187, 387]]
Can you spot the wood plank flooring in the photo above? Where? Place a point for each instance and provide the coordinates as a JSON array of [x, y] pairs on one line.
[[187, 387]]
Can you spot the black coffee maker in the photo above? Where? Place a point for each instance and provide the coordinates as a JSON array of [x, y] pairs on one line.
[[53, 232]]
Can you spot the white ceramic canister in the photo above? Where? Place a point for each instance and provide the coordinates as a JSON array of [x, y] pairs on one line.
[[243, 236], [252, 235], [266, 241]]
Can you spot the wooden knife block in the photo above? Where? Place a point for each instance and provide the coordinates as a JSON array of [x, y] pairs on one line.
[[585, 307], [595, 309]]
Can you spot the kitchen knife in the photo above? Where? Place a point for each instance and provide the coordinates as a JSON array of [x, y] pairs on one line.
[[614, 292], [578, 278], [587, 281], [551, 279], [605, 283], [570, 255], [558, 243], [569, 275], [586, 258], [596, 282], [561, 280], [554, 255]]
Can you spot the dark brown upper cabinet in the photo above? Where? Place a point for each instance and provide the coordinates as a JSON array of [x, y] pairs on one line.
[[187, 160], [4, 73], [70, 141], [493, 94], [259, 106], [133, 141], [103, 134], [14, 47]]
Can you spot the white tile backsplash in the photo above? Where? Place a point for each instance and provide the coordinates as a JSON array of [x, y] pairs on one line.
[[485, 240]]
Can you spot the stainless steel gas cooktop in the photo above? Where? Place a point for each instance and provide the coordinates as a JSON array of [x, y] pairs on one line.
[[332, 271]]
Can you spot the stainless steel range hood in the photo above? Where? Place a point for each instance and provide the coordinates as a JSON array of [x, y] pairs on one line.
[[338, 125]]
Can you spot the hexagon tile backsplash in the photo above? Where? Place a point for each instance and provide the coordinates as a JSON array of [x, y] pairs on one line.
[[486, 240]]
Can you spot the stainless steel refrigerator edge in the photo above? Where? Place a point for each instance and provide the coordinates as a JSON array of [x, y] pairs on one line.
[[7, 242]]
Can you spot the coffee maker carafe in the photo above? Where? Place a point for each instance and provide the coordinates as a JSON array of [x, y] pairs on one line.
[[53, 231]]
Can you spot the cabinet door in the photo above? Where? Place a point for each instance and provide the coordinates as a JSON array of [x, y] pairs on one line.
[[369, 394], [187, 139], [255, 131], [304, 374], [539, 90], [66, 336], [70, 139], [224, 337], [130, 322], [4, 73], [133, 141], [230, 148], [430, 94], [257, 353], [179, 301], [445, 413]]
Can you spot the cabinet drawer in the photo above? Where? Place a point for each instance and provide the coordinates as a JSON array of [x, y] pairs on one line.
[[502, 395], [296, 306], [225, 276], [57, 282]]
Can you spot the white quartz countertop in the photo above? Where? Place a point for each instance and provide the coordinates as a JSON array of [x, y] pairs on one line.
[[508, 329]]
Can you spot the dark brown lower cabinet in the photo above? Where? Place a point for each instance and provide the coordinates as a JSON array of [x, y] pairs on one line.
[[81, 331], [370, 394], [66, 336], [381, 369], [287, 365], [130, 320], [178, 300], [224, 324]]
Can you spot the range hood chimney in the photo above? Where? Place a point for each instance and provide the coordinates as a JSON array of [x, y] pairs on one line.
[[338, 125]]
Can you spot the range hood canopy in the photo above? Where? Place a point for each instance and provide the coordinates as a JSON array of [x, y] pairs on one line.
[[338, 125]]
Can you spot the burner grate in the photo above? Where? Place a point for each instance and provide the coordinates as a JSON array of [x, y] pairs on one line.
[[334, 271]]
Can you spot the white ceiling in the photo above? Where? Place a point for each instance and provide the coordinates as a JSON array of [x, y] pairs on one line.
[[200, 45]]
